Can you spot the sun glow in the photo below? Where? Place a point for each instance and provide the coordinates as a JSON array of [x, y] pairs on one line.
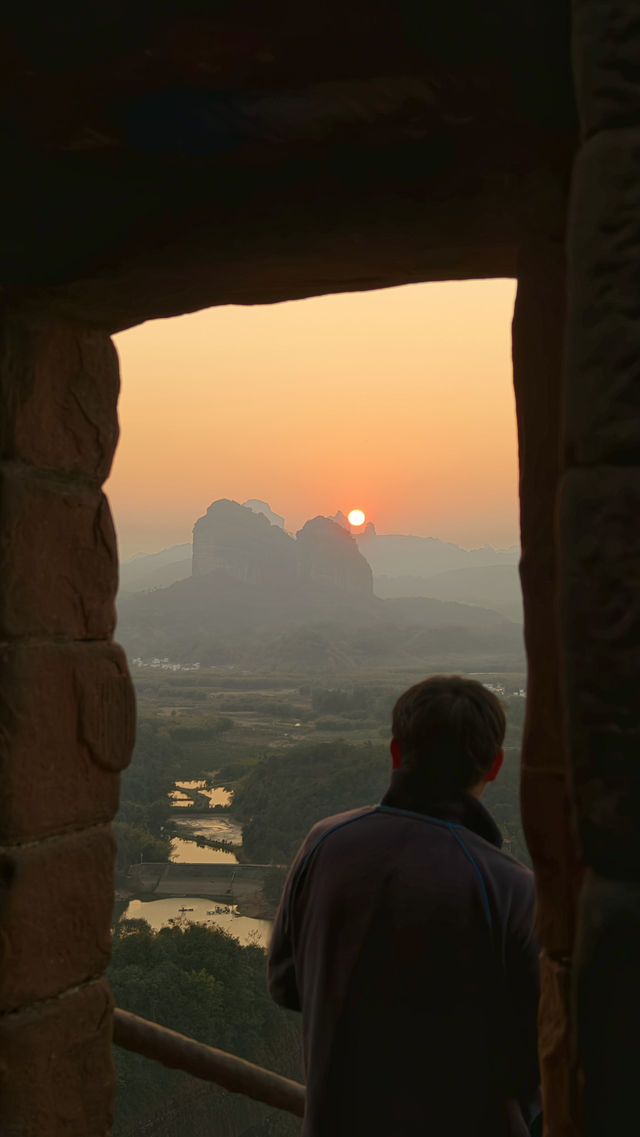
[[356, 517]]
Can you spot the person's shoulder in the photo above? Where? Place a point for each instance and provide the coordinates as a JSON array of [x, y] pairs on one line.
[[513, 883], [504, 863], [329, 825], [324, 830]]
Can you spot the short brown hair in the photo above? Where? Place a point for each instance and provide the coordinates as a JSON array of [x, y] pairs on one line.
[[449, 730]]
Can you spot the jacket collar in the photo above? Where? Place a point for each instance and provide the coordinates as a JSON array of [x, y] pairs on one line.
[[408, 791]]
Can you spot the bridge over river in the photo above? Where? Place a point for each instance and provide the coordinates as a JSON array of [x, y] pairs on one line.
[[182, 879]]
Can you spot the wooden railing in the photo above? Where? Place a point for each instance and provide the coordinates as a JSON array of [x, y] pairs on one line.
[[182, 1053]]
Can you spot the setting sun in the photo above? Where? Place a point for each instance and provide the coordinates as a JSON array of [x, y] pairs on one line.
[[356, 517]]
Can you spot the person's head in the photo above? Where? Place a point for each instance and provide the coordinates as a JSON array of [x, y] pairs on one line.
[[449, 731]]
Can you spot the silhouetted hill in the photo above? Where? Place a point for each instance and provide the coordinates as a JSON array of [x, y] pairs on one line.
[[491, 586], [232, 538], [328, 555], [153, 570], [396, 555], [219, 620], [258, 506], [228, 530], [244, 544]]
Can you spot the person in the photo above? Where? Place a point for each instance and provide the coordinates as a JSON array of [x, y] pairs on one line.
[[405, 936]]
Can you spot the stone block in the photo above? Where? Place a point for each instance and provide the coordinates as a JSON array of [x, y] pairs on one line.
[[548, 825], [600, 611], [67, 726], [608, 1003], [58, 557], [605, 59], [56, 900], [56, 1070], [538, 337], [59, 388], [602, 411], [558, 1061]]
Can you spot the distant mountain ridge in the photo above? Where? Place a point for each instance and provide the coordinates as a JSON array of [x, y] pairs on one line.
[[398, 555], [490, 586], [155, 570], [218, 620], [259, 596], [389, 556]]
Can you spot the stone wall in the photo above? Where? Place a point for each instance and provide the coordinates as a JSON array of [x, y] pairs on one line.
[[600, 551], [538, 339], [440, 170], [67, 720]]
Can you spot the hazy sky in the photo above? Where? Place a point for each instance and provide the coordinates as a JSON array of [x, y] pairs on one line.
[[398, 402]]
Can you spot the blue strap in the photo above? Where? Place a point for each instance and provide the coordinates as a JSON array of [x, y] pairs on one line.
[[476, 868]]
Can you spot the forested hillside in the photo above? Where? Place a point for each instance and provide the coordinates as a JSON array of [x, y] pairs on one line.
[[199, 981], [285, 794]]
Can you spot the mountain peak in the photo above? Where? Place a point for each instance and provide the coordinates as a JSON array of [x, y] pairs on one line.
[[265, 509]]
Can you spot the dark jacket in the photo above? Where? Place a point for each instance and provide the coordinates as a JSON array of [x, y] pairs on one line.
[[405, 937]]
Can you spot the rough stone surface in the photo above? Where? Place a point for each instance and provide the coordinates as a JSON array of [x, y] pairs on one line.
[[56, 900], [59, 389], [606, 72], [561, 1077], [537, 357], [56, 1071], [58, 558], [548, 816], [66, 727], [602, 409], [608, 1003], [600, 552], [384, 143], [599, 515], [67, 723]]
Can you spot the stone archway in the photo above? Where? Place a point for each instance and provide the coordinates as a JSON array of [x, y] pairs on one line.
[[346, 162]]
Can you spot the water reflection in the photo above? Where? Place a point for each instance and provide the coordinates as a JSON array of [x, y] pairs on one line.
[[188, 852], [160, 913], [180, 799], [219, 827], [216, 796]]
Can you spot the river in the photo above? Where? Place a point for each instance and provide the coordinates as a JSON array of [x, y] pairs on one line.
[[218, 827], [160, 913], [184, 850], [217, 796]]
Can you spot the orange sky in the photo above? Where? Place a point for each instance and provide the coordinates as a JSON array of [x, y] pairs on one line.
[[398, 402]]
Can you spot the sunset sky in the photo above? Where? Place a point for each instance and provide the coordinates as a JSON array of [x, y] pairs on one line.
[[398, 402]]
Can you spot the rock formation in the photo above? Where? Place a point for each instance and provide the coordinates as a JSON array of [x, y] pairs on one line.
[[263, 507], [328, 554], [341, 520], [244, 544]]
